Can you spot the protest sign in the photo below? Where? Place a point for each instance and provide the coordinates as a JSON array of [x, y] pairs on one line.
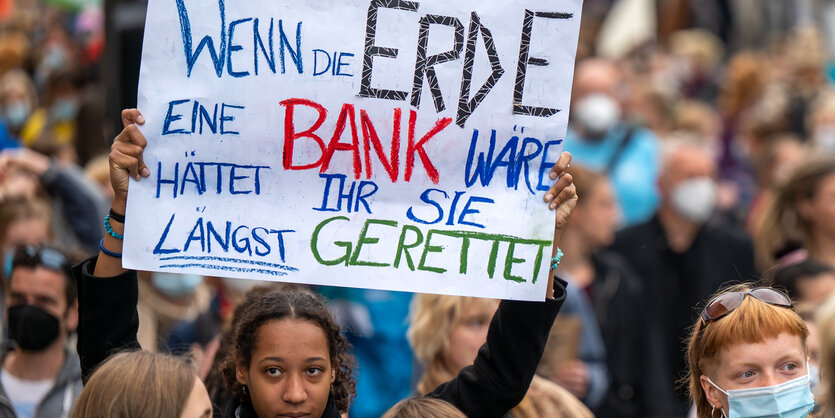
[[388, 144]]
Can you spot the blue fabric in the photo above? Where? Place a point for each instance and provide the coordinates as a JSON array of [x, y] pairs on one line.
[[592, 350], [6, 139], [635, 174], [375, 323]]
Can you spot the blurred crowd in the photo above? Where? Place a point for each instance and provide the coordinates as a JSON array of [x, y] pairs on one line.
[[703, 137]]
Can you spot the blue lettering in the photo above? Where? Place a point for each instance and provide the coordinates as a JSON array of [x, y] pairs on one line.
[[192, 55], [158, 249], [192, 237], [426, 199], [468, 211], [258, 42], [233, 48], [224, 118], [166, 125], [295, 55]]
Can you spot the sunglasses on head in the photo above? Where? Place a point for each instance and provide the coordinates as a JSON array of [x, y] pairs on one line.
[[727, 303], [34, 256]]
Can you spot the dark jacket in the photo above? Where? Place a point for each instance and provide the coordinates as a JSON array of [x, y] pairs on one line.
[[675, 285], [495, 383], [619, 304]]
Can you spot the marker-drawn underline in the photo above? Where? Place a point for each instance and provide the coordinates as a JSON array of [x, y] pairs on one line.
[[229, 260], [226, 268]]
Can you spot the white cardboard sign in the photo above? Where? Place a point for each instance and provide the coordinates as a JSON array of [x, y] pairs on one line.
[[387, 144]]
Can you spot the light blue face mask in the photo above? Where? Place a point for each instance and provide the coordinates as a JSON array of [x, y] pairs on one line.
[[792, 399], [175, 285]]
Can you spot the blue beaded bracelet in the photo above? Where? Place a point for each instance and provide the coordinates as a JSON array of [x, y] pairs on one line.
[[108, 252], [555, 261], [109, 228]]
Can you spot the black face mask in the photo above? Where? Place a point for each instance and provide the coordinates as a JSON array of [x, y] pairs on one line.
[[32, 328]]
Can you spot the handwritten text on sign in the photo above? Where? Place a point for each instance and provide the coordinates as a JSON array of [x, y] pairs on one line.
[[389, 144]]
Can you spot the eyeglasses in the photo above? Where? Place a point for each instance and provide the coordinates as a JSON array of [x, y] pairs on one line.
[[727, 303], [33, 256]]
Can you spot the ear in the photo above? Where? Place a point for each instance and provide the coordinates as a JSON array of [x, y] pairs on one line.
[[711, 393], [241, 372], [333, 375], [72, 316]]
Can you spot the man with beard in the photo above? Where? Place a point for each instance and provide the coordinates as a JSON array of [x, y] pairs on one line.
[[40, 377]]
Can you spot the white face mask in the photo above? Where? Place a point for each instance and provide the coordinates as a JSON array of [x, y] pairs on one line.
[[694, 199], [596, 114]]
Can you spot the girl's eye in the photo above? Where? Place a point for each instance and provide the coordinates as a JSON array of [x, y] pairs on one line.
[[313, 371], [273, 371], [747, 374]]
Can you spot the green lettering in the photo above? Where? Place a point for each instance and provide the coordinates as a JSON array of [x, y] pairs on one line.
[[314, 240], [509, 261], [426, 250], [403, 248], [364, 240]]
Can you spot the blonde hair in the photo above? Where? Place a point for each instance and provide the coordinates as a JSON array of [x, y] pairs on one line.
[[20, 209], [432, 319], [782, 224], [423, 407], [825, 320], [753, 321], [137, 384]]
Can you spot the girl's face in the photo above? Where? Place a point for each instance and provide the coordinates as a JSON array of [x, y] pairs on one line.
[[752, 365], [468, 334], [290, 371]]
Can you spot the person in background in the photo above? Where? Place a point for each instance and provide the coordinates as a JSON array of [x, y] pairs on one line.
[[682, 256], [27, 174], [17, 100], [446, 333], [54, 123], [808, 282], [375, 324], [611, 295], [165, 300], [24, 222], [773, 164], [825, 327], [802, 215], [747, 356], [599, 138], [40, 376], [820, 122], [141, 384], [423, 407]]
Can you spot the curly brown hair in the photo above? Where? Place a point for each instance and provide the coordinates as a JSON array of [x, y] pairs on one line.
[[291, 304]]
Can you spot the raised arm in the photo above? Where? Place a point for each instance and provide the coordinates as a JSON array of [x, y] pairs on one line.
[[108, 293], [502, 372], [125, 162]]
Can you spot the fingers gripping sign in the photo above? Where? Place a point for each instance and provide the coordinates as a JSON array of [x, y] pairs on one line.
[[126, 153], [561, 198]]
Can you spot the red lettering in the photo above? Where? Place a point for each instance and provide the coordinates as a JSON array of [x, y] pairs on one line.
[[413, 147], [290, 135], [335, 145], [369, 134]]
